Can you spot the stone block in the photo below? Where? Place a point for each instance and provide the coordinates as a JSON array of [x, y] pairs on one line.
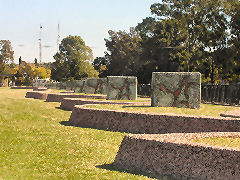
[[79, 86], [122, 87], [176, 89], [40, 82], [96, 86], [69, 85]]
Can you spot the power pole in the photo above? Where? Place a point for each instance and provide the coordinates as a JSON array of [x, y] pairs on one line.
[[58, 38], [40, 44]]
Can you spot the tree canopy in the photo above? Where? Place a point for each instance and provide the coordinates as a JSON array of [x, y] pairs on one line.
[[181, 35], [6, 52], [73, 61]]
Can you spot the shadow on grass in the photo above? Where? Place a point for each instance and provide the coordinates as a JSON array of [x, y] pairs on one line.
[[66, 123], [111, 167], [62, 109]]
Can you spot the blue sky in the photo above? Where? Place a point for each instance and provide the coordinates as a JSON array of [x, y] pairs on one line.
[[90, 19]]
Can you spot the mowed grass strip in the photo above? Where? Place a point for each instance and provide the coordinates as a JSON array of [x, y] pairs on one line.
[[204, 110], [220, 141], [35, 145]]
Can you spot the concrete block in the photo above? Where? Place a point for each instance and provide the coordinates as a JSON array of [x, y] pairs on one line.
[[96, 86], [176, 89], [122, 87]]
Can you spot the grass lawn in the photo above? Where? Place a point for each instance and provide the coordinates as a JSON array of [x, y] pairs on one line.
[[220, 141], [35, 145], [205, 109], [138, 100]]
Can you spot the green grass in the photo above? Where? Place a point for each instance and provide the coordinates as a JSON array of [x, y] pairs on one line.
[[34, 145], [220, 141], [138, 100], [205, 109]]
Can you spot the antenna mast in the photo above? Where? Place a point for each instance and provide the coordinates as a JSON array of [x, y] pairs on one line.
[[40, 44], [58, 38]]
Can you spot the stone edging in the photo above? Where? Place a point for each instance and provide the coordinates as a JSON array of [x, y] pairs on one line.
[[69, 103], [42, 95], [58, 97], [176, 155], [22, 87], [150, 123], [233, 114]]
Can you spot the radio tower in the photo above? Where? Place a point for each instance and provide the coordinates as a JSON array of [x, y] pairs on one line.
[[58, 38], [40, 44]]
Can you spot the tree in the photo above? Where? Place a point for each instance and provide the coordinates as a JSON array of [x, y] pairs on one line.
[[26, 72], [73, 61], [202, 26], [20, 60], [100, 64], [123, 51], [235, 41], [35, 62], [161, 41], [6, 52]]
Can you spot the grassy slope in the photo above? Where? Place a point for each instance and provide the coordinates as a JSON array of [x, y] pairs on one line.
[[34, 145], [205, 109]]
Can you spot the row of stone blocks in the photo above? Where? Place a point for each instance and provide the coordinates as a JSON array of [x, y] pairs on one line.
[[115, 87], [169, 89], [168, 154]]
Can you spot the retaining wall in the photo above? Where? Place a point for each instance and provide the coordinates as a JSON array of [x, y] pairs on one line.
[[21, 87], [69, 103], [177, 155], [39, 89], [150, 123], [58, 97], [37, 95]]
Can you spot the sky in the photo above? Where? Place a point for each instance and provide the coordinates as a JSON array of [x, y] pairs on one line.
[[91, 19]]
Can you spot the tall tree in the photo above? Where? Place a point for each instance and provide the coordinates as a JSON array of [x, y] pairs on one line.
[[100, 64], [123, 51], [73, 61], [20, 60], [161, 41], [6, 52], [203, 26], [35, 62]]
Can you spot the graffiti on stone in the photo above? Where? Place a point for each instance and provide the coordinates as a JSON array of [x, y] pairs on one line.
[[176, 89], [96, 86], [79, 86], [122, 87], [69, 85], [40, 82]]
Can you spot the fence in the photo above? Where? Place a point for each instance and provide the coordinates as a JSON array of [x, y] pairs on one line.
[[210, 93], [144, 90], [221, 93]]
